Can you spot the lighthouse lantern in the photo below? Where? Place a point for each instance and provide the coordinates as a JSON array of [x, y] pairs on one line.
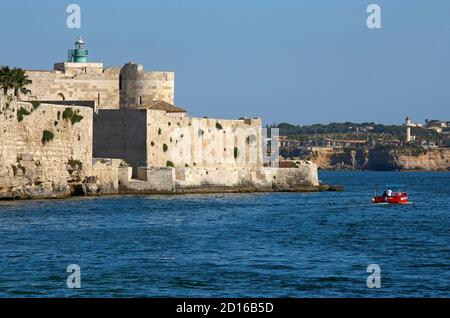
[[79, 54]]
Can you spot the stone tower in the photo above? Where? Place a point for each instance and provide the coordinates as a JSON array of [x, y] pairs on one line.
[[138, 88]]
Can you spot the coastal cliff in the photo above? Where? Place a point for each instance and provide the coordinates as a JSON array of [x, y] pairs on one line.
[[403, 159]]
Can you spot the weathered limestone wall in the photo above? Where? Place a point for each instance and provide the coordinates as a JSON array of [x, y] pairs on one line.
[[157, 180], [288, 179], [106, 173], [110, 88], [76, 81], [30, 166], [139, 87], [76, 69], [203, 142], [188, 180], [154, 139]]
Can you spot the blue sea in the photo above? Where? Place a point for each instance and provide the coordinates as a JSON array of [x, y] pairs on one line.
[[234, 245]]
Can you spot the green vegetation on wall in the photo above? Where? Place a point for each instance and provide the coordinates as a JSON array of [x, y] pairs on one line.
[[165, 147], [169, 164], [75, 164], [47, 136], [35, 104], [21, 112], [71, 116]]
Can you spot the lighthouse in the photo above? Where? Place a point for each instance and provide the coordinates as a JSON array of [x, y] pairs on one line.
[[408, 129], [79, 54]]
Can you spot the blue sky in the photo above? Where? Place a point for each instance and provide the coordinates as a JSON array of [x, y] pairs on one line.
[[293, 61]]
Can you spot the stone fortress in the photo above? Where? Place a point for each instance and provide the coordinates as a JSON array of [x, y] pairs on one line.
[[83, 129]]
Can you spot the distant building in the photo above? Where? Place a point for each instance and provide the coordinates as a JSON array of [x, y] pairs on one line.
[[436, 123], [344, 143], [436, 129]]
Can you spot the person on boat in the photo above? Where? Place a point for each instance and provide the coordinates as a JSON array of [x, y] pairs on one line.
[[389, 192], [385, 193]]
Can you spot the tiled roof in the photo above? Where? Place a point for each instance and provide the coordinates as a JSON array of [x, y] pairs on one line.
[[162, 105]]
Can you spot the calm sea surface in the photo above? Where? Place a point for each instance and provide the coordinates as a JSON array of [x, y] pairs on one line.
[[233, 245]]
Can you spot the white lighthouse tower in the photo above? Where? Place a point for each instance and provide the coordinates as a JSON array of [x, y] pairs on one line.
[[408, 129]]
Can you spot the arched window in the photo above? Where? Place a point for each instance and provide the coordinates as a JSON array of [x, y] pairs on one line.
[[62, 96]]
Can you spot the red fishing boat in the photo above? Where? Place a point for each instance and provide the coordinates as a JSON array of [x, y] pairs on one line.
[[394, 198]]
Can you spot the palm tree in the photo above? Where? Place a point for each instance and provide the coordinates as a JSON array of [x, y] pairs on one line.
[[6, 79], [19, 82]]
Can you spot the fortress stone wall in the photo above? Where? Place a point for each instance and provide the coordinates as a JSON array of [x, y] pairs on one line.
[[170, 153], [34, 166], [154, 138], [202, 142], [109, 88], [131, 138], [211, 180], [77, 82]]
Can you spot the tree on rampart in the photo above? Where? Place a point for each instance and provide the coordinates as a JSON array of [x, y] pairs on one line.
[[20, 82], [15, 79], [5, 79]]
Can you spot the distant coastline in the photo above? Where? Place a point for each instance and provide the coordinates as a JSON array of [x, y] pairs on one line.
[[379, 160], [369, 146]]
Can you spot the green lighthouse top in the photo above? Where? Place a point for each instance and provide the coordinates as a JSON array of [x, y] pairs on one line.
[[79, 54]]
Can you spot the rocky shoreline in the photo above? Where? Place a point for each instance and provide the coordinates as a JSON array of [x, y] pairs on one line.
[[91, 190]]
